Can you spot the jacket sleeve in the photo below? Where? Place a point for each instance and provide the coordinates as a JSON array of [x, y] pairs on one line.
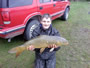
[[56, 33], [35, 33]]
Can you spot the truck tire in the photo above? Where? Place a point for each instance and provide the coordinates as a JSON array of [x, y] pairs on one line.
[[29, 29], [65, 15]]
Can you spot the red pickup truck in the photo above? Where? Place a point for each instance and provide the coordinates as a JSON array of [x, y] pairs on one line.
[[22, 16]]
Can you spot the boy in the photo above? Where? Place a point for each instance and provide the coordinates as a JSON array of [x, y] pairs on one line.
[[46, 59]]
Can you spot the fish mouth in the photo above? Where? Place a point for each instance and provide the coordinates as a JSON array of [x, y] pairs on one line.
[[66, 43]]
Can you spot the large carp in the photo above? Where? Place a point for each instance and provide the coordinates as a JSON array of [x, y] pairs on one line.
[[42, 42]]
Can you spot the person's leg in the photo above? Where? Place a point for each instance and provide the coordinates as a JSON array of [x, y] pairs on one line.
[[51, 63], [39, 63]]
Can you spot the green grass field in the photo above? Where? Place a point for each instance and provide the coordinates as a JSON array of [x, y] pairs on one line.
[[76, 30]]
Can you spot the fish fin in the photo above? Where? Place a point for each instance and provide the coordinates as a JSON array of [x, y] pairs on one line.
[[18, 50], [13, 50], [18, 53], [42, 49], [51, 49]]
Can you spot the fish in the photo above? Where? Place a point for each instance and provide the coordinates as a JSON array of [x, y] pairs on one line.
[[42, 42]]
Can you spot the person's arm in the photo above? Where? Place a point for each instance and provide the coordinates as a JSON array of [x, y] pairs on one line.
[[35, 33], [56, 33]]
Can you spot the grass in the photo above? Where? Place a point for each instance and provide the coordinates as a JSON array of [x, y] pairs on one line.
[[76, 30]]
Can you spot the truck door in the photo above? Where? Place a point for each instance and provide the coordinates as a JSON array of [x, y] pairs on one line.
[[63, 3], [45, 6], [57, 7]]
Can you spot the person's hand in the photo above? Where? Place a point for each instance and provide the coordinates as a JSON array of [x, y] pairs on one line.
[[53, 46], [31, 48]]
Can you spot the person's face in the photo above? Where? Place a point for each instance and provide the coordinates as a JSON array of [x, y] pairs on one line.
[[46, 22]]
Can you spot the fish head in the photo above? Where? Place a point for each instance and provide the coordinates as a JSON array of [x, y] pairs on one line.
[[62, 41]]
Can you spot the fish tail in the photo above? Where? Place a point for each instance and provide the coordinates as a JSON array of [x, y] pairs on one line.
[[18, 50], [13, 50]]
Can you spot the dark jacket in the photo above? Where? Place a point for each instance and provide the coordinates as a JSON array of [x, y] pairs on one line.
[[51, 32]]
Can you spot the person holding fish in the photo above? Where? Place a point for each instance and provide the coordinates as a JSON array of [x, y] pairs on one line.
[[47, 58]]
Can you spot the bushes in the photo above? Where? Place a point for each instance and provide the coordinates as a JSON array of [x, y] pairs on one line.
[[88, 0]]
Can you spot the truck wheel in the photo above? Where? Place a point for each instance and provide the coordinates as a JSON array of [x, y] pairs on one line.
[[65, 15], [29, 29]]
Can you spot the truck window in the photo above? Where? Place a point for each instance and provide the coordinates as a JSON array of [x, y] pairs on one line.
[[44, 1], [0, 4], [3, 4], [17, 3], [62, 0], [55, 0]]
